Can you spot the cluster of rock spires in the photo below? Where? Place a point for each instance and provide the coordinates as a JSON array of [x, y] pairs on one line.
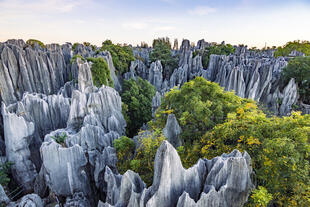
[[59, 130], [251, 74]]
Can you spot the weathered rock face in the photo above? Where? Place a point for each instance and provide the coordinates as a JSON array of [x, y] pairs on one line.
[[156, 75], [254, 78], [27, 69], [222, 181], [172, 131]]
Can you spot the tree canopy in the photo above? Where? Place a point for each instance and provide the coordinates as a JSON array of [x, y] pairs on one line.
[[162, 51], [137, 103], [122, 55], [299, 68]]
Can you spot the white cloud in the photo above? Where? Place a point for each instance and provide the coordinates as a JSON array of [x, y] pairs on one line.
[[202, 10]]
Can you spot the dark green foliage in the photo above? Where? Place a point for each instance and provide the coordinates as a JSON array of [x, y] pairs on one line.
[[100, 72], [75, 57], [137, 98], [301, 46], [32, 41], [4, 171], [60, 138], [162, 51], [220, 49], [299, 68], [125, 148], [198, 106], [74, 46], [121, 55]]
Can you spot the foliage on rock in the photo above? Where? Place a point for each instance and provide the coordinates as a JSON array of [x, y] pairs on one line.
[[4, 173], [100, 72], [33, 41], [122, 55], [125, 148], [299, 69]]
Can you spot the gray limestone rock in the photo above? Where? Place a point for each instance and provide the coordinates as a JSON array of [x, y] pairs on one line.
[[31, 200], [4, 199], [65, 171], [172, 131], [155, 75]]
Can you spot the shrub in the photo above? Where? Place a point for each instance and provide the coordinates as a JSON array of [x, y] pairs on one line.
[[75, 45], [33, 41], [73, 59], [100, 72], [60, 138], [261, 197], [121, 55], [125, 148], [137, 108], [4, 171], [143, 162], [299, 69]]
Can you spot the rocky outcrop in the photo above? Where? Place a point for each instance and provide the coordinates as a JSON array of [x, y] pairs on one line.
[[222, 181], [156, 74], [254, 78], [26, 69], [172, 131]]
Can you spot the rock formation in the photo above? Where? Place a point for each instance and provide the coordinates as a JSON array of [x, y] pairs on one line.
[[222, 181]]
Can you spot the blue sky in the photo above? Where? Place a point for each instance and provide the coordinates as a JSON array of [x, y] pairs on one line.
[[251, 22]]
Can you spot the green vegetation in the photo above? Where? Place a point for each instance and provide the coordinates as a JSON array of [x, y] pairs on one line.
[[142, 161], [33, 41], [60, 138], [279, 148], [260, 197], [299, 68], [121, 55], [125, 148], [100, 72], [220, 49], [137, 103], [198, 106], [162, 51], [301, 46], [4, 171], [215, 122], [75, 57], [74, 46]]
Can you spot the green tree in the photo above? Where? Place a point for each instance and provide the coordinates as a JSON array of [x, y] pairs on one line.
[[137, 108], [121, 55], [162, 51], [100, 72], [279, 148], [299, 69], [198, 106], [125, 148], [143, 162]]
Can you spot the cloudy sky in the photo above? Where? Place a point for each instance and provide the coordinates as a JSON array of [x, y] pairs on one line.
[[251, 22]]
